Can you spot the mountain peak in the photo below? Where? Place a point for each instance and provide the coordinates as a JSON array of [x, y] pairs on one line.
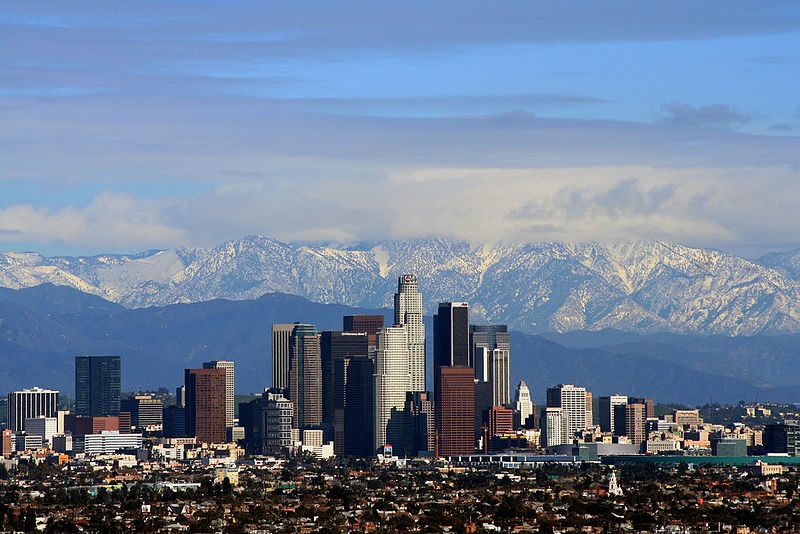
[[639, 286]]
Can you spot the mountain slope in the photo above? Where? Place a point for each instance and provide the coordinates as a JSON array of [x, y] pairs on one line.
[[43, 328], [640, 287]]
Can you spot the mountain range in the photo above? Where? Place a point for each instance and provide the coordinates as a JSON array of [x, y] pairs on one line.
[[44, 327], [643, 287]]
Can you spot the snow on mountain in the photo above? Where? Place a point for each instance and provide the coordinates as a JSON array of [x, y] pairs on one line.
[[787, 263], [640, 286]]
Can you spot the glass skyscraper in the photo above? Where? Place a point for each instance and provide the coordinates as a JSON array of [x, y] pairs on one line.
[[97, 385]]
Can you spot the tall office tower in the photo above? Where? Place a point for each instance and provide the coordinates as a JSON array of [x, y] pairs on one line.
[[277, 423], [392, 381], [230, 389], [29, 403], [368, 324], [281, 334], [552, 425], [455, 410], [180, 396], [490, 352], [147, 412], [451, 335], [305, 376], [649, 404], [454, 395], [490, 347], [267, 423], [337, 349], [205, 404], [359, 410], [524, 404], [420, 425], [408, 313], [97, 385], [631, 421], [572, 401], [606, 408]]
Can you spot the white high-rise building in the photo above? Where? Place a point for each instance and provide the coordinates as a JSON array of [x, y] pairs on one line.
[[572, 401], [30, 403], [553, 427], [230, 390], [524, 404], [408, 313], [392, 381]]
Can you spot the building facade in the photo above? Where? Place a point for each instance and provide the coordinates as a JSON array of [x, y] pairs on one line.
[[368, 324], [205, 405], [146, 412], [408, 312], [305, 376], [337, 350], [281, 335], [490, 348], [451, 335], [30, 403], [606, 406], [572, 401], [455, 410], [420, 424], [359, 409], [230, 387], [392, 381], [97, 385], [524, 405]]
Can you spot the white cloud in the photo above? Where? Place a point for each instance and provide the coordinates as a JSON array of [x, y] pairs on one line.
[[719, 206]]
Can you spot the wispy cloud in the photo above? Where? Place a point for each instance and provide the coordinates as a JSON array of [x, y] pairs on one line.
[[712, 116]]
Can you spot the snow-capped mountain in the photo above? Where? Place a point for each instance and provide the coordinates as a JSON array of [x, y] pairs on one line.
[[641, 286]]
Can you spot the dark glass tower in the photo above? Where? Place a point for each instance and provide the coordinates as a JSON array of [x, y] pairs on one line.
[[359, 410], [97, 385], [337, 350], [451, 335], [454, 380]]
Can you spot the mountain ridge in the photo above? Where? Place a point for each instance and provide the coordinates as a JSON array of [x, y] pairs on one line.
[[643, 286], [43, 328]]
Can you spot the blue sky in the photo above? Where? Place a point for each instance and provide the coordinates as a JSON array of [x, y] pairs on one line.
[[127, 125]]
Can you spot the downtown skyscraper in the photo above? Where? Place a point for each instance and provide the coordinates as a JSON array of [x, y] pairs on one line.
[[97, 385], [408, 313], [399, 364], [454, 380], [230, 388]]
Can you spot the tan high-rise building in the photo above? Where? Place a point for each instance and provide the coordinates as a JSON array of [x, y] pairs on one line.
[[230, 390], [205, 404], [281, 334], [455, 410], [305, 376], [631, 420]]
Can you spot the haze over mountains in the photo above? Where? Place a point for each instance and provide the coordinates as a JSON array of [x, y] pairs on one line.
[[640, 287]]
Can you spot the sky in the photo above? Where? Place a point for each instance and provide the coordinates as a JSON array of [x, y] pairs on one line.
[[134, 125]]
